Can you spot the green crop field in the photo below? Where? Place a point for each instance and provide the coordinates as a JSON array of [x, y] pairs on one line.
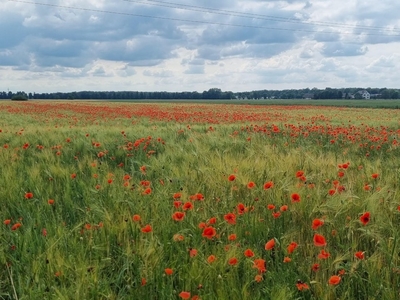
[[361, 103], [111, 200]]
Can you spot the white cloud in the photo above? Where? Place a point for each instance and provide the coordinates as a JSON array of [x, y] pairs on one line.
[[283, 44]]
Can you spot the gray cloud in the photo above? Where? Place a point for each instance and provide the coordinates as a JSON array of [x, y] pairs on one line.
[[49, 43], [195, 69], [326, 35], [161, 74], [341, 49]]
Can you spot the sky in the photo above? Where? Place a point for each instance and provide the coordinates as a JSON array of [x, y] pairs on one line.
[[192, 45]]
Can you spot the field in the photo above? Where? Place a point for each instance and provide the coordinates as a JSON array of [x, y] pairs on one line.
[[204, 201]]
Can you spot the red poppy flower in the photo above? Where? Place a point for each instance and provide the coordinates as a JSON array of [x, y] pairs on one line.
[[192, 252], [212, 220], [188, 206], [295, 197], [184, 295], [177, 204], [268, 185], [211, 259], [270, 244], [332, 192], [248, 253], [230, 218], [50, 201], [301, 286], [145, 183], [177, 195], [241, 208], [260, 265], [365, 218], [202, 225], [251, 185], [178, 216], [233, 261], [7, 222], [136, 218], [178, 237], [16, 226], [143, 169], [271, 206], [168, 271], [316, 223], [147, 229], [341, 188], [287, 259], [232, 237], [359, 255], [334, 280], [231, 177], [284, 208], [147, 191], [319, 240], [299, 174], [197, 196], [292, 246], [209, 232], [315, 267], [28, 195], [367, 187], [375, 175], [323, 254], [276, 215]]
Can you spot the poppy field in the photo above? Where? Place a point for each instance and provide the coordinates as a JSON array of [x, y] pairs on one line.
[[198, 201]]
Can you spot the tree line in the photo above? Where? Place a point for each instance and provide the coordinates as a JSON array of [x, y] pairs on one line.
[[213, 93]]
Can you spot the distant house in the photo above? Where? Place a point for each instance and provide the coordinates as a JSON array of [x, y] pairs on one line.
[[364, 94]]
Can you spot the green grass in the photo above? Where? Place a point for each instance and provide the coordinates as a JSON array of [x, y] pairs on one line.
[[361, 103], [356, 103], [87, 246]]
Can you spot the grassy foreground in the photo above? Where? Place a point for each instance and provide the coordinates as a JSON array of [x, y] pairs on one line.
[[198, 201]]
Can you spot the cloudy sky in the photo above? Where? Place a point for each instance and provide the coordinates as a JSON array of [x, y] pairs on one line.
[[192, 45]]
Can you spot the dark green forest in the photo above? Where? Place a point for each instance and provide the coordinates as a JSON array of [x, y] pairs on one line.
[[215, 93]]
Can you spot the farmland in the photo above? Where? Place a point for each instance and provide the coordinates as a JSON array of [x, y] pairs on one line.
[[118, 200]]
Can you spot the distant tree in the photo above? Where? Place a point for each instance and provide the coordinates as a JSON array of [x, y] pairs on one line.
[[357, 96], [19, 97]]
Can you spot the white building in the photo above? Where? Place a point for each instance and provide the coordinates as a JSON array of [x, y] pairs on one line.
[[365, 94]]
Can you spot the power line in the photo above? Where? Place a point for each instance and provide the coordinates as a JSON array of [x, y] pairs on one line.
[[197, 21], [257, 16]]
